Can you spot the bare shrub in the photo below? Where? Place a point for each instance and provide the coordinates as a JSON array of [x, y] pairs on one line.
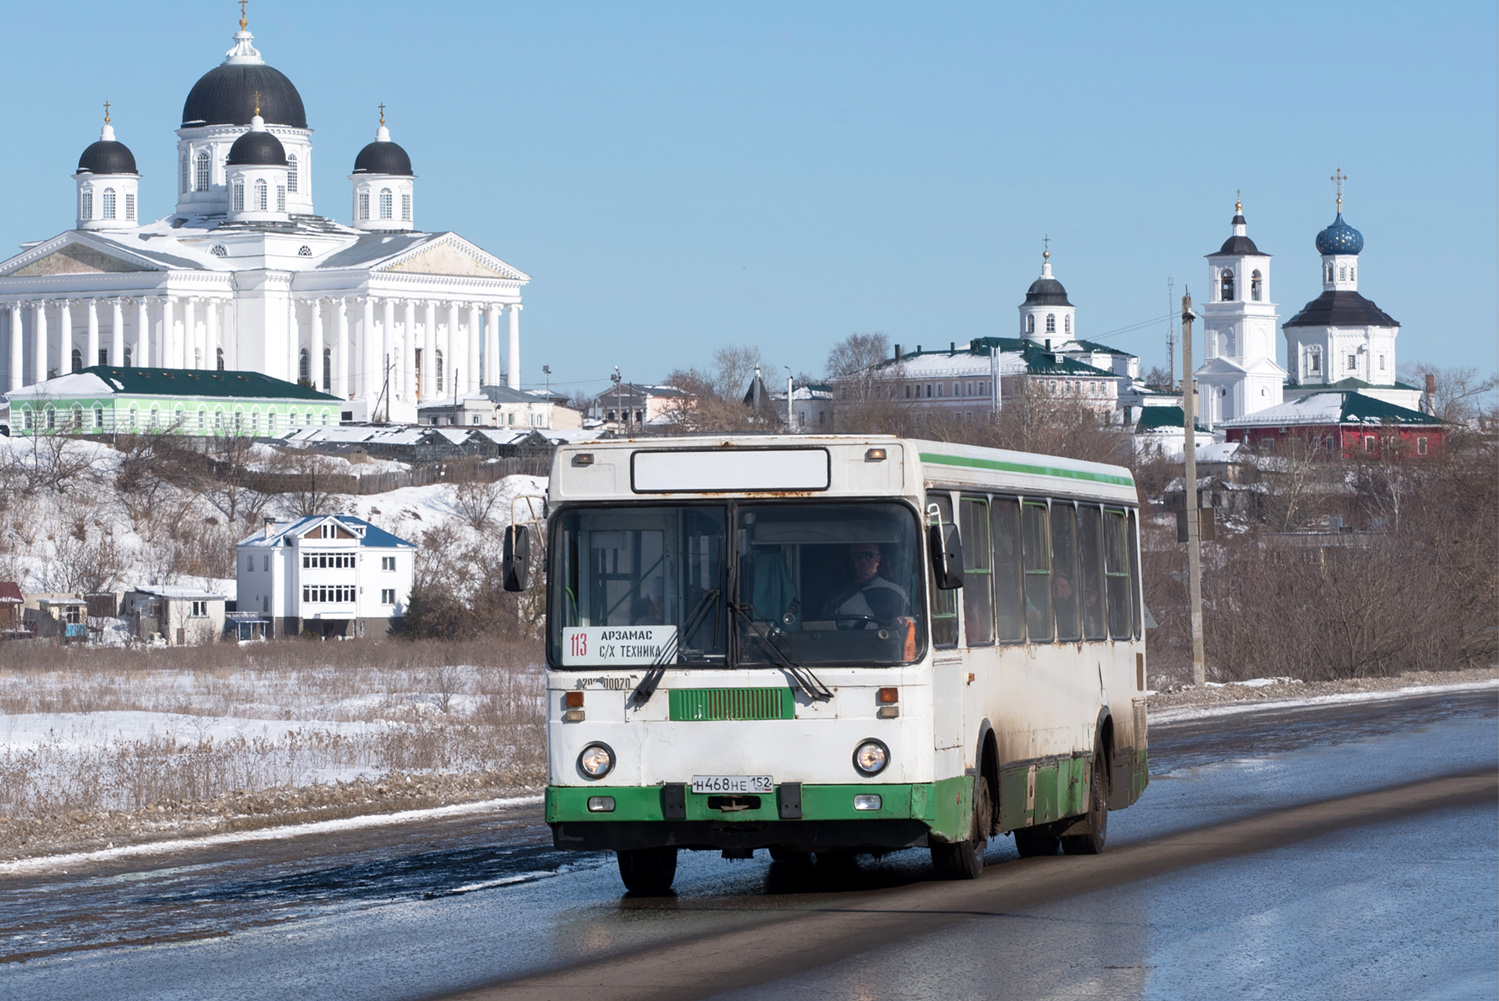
[[475, 501]]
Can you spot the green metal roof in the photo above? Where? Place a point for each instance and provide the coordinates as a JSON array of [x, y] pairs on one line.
[[1352, 383], [1361, 409], [131, 381], [1163, 419]]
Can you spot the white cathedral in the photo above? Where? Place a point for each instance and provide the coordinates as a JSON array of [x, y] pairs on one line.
[[1340, 341], [244, 275]]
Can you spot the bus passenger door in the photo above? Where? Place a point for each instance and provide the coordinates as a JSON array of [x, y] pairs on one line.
[[949, 668]]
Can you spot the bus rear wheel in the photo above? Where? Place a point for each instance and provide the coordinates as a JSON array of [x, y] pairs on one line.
[[1096, 821], [965, 859], [648, 870]]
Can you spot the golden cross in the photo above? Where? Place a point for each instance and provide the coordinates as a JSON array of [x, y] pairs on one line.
[[106, 112], [242, 22], [1238, 199], [382, 112], [257, 102], [1046, 248], [1339, 177]]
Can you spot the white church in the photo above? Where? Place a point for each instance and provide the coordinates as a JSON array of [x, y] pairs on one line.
[[1338, 342], [244, 275]]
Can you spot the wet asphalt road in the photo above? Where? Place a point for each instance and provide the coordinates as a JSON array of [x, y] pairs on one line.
[[1380, 906]]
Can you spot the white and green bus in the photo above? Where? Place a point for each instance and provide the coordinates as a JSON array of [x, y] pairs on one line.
[[837, 645]]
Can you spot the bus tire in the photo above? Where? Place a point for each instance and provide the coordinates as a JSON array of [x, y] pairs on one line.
[[1091, 840], [965, 859], [1032, 842], [648, 871]]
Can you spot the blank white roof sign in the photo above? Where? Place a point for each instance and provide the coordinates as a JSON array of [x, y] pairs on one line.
[[729, 470]]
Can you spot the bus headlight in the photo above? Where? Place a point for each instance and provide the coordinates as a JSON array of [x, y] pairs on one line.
[[871, 757], [596, 760]]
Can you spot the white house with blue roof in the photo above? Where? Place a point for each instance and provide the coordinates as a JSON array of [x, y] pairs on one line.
[[331, 575]]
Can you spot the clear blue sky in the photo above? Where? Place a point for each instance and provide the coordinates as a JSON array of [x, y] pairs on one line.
[[680, 176]]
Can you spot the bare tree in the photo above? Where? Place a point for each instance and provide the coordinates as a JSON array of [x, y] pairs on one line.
[[713, 399]]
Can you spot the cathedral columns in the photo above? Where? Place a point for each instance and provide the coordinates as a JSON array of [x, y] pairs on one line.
[[142, 356], [513, 379], [16, 345], [369, 379], [65, 338], [315, 346], [91, 355], [429, 351], [492, 345], [408, 352], [454, 342], [171, 348], [39, 337], [474, 378], [388, 356], [341, 351], [117, 332]]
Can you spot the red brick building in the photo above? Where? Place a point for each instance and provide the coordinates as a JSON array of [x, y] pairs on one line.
[[1344, 424]]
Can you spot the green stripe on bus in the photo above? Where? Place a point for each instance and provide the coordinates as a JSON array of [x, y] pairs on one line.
[[1020, 467], [713, 704], [935, 803]]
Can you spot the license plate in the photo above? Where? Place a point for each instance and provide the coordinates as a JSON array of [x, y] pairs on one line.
[[721, 784]]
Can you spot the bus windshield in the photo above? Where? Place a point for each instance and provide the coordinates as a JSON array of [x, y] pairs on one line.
[[795, 584]]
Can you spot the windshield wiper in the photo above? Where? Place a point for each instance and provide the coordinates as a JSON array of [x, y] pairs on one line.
[[647, 686], [801, 675]]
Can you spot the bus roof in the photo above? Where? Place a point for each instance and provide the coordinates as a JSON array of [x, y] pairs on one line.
[[818, 465]]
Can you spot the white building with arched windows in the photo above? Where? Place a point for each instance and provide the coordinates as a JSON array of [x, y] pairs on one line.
[[244, 275], [1239, 374]]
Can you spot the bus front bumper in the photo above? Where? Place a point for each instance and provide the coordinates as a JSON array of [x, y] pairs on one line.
[[806, 817]]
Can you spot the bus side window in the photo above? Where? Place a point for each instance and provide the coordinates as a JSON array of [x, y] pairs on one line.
[[1134, 574], [1116, 572], [1064, 569], [978, 599], [944, 603], [1090, 572], [1009, 592], [1036, 558]]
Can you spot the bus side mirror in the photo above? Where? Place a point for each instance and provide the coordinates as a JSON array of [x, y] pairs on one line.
[[515, 567], [947, 556]]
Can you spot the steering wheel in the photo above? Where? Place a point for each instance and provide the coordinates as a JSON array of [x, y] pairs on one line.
[[855, 618]]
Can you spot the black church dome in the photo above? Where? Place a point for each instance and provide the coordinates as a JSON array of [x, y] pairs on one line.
[[228, 93], [383, 158], [107, 157], [257, 149]]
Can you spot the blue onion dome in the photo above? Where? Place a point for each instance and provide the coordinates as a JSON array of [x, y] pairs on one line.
[[1340, 238], [256, 148], [107, 157]]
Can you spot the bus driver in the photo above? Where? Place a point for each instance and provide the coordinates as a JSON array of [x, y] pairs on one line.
[[870, 599]]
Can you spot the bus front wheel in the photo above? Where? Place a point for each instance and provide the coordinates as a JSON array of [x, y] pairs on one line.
[[1096, 821], [648, 870], [965, 859]]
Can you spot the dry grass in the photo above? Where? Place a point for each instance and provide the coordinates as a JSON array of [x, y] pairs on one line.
[[401, 708]]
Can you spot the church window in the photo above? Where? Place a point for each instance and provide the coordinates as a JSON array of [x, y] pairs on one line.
[[77, 360], [1051, 323], [327, 366], [220, 359], [280, 198], [129, 206], [203, 170], [1342, 274], [1371, 442], [386, 206], [1352, 273], [86, 205], [439, 369], [1420, 446], [291, 172], [1226, 285], [262, 195], [364, 204], [1381, 363], [302, 373], [103, 357], [51, 418], [1030, 323], [107, 203], [237, 201], [129, 357], [1314, 361], [406, 207], [1256, 285], [218, 249], [1067, 324], [1352, 362], [99, 418], [182, 173]]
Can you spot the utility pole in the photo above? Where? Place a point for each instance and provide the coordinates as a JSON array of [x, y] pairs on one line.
[[619, 410], [789, 427], [994, 397], [546, 370], [1170, 329], [1194, 514]]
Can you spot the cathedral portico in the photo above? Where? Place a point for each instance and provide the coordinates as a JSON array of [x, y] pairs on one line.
[[242, 275]]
